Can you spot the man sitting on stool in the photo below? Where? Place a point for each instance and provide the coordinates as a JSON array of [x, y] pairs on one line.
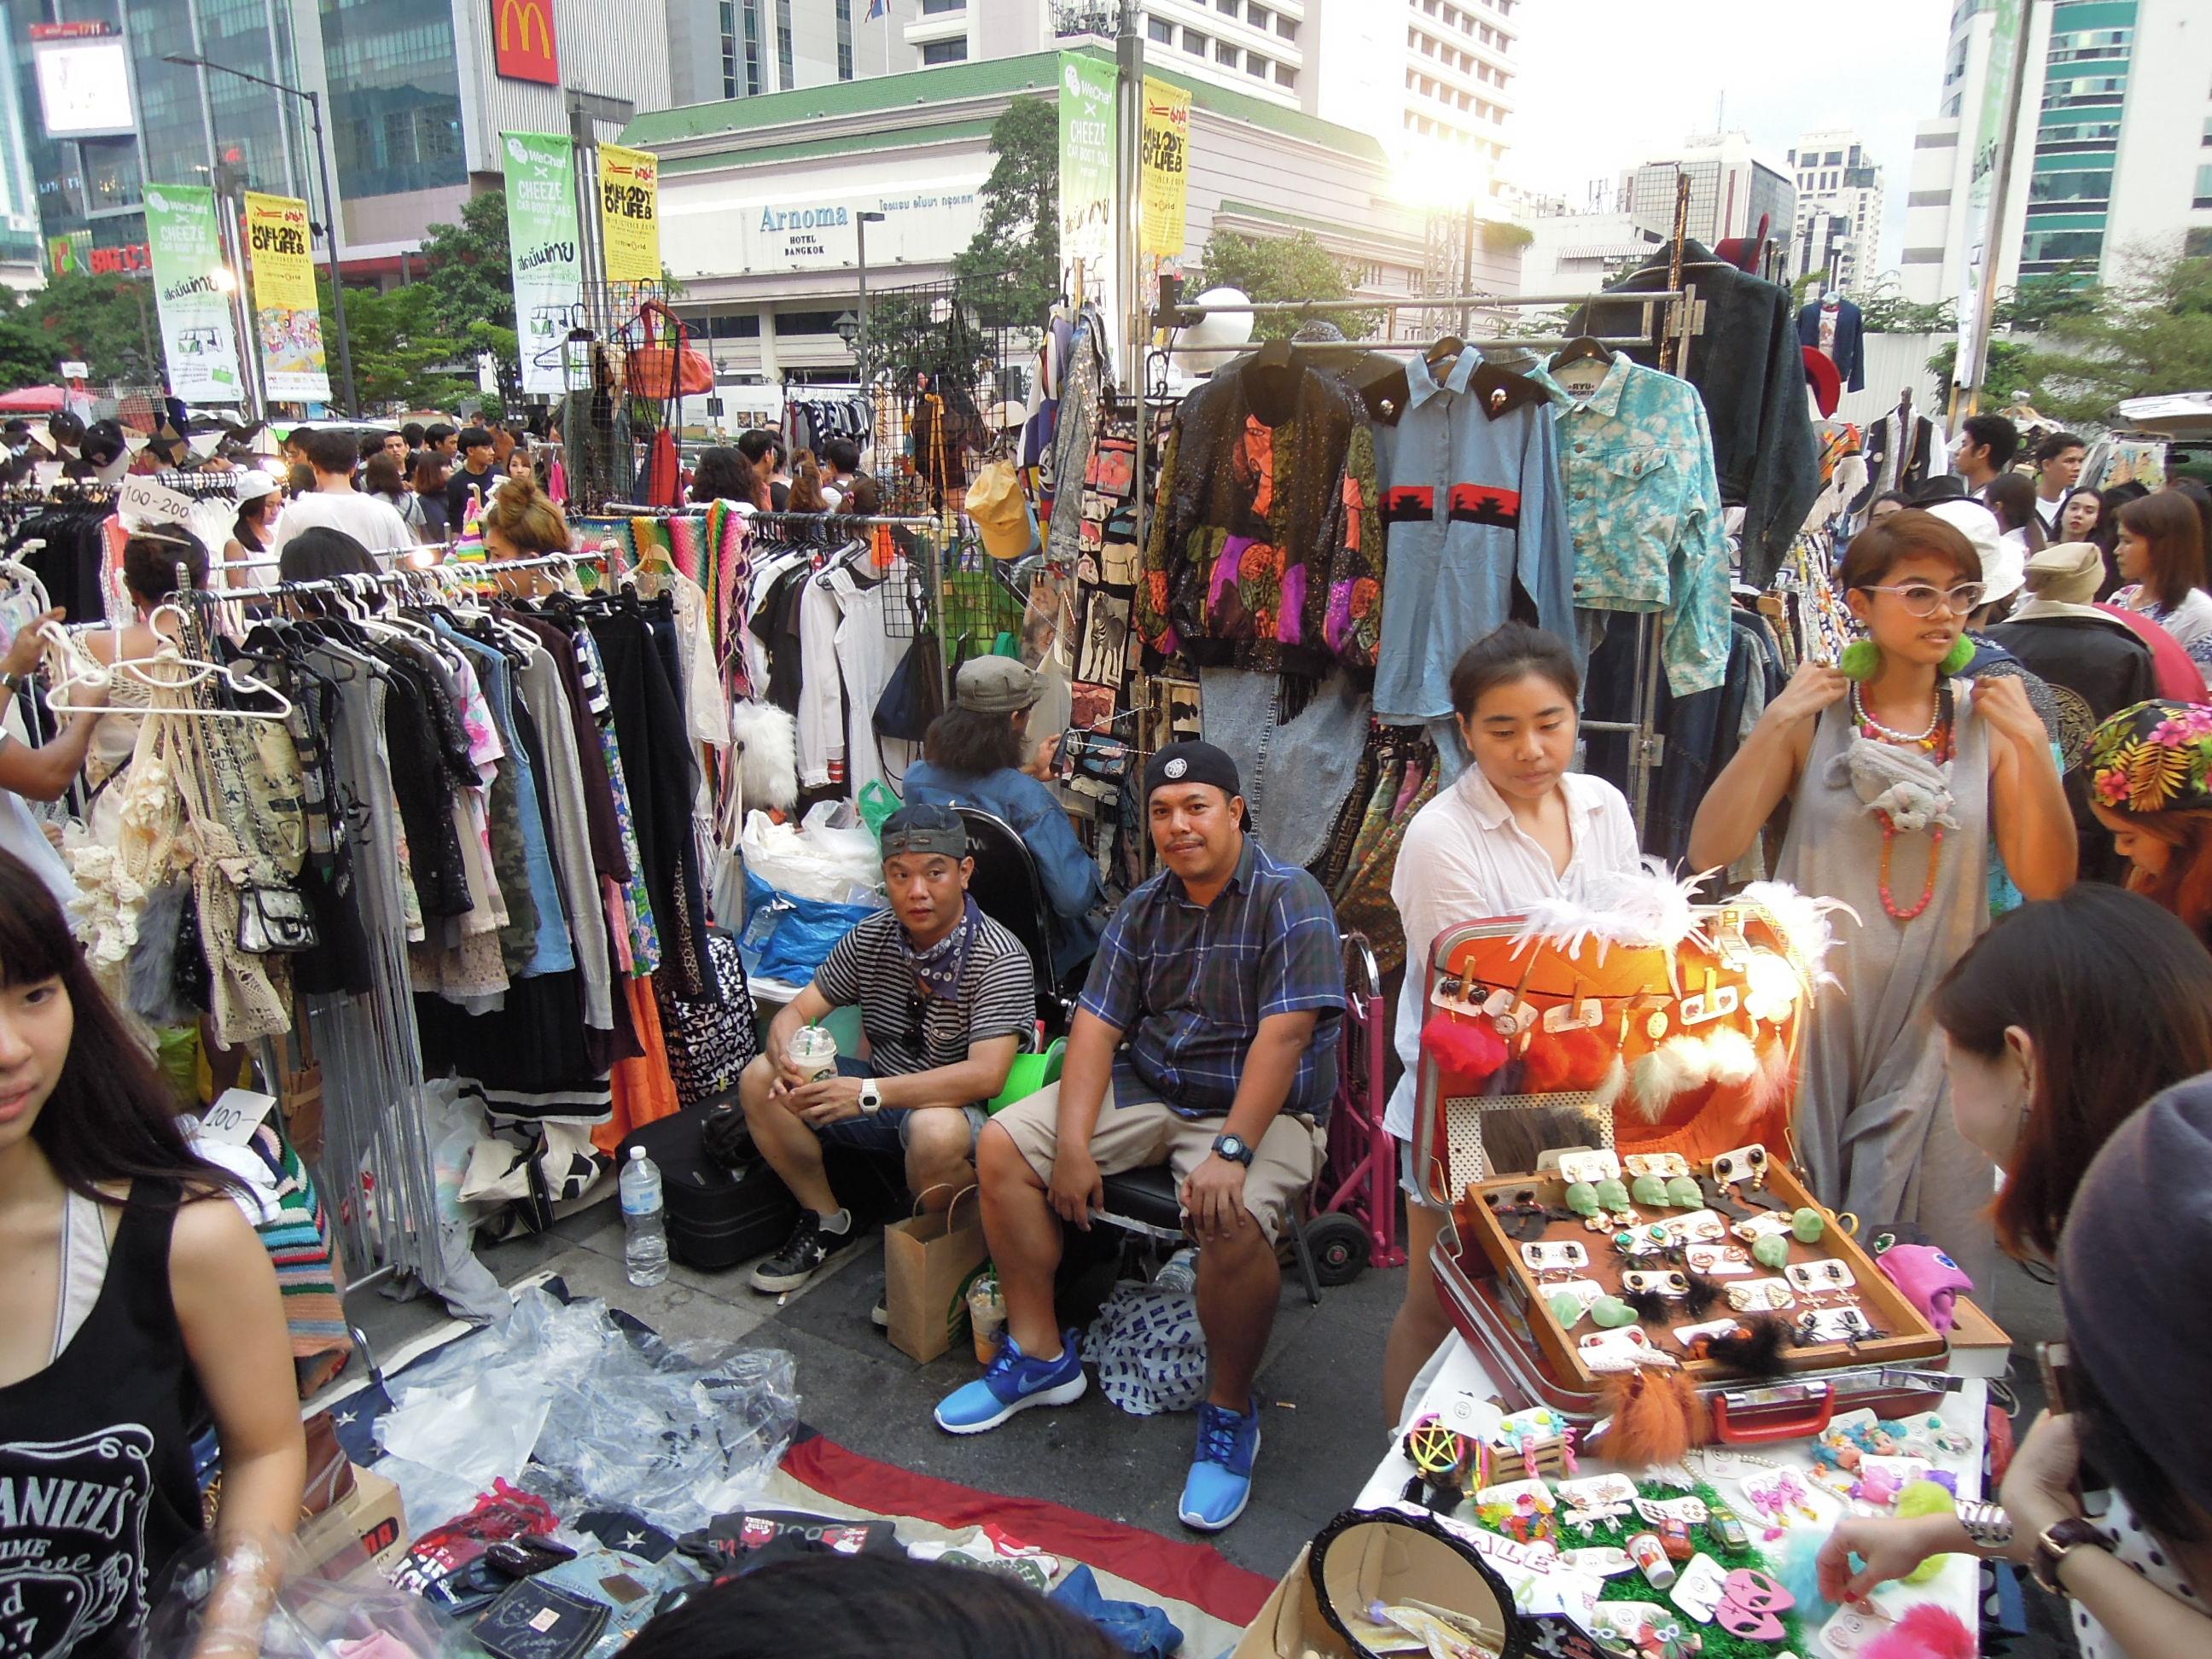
[[945, 996], [1223, 975]]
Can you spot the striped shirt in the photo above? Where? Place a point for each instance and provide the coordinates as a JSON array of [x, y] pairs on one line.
[[910, 1032]]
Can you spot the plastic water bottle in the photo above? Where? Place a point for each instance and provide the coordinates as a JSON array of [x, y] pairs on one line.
[[645, 1234], [1179, 1272]]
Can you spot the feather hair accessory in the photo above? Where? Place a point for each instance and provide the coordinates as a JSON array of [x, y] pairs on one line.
[[1645, 906], [1803, 921], [1735, 1061]]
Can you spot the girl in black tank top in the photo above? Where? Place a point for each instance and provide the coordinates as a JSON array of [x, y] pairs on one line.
[[135, 1304]]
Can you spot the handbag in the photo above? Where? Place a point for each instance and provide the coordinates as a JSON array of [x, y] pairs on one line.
[[914, 694], [274, 921]]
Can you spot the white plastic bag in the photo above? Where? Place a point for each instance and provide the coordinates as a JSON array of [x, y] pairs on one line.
[[819, 860]]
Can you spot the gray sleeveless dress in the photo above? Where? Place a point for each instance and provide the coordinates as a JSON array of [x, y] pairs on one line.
[[1873, 1121]]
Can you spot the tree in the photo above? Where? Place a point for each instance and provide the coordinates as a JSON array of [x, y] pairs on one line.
[[1013, 260], [2152, 333], [23, 358], [2011, 368], [1293, 267], [398, 359], [467, 276], [105, 322]]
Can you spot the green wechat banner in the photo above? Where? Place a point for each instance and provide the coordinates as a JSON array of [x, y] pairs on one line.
[[197, 338], [1086, 179], [541, 240]]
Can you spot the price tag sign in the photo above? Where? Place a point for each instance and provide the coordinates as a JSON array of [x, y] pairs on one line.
[[233, 1117]]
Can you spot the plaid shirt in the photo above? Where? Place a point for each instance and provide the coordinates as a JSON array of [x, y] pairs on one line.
[[1188, 987]]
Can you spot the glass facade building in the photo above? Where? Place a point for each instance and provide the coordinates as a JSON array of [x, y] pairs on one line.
[[2077, 137], [395, 116], [90, 190]]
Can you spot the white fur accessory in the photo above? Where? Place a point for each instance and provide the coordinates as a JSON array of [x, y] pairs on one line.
[[1648, 906], [766, 740]]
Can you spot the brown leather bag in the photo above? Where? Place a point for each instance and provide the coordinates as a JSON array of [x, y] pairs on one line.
[[329, 1475]]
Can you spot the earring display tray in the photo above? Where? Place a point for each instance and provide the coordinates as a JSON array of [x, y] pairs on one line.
[[1904, 1336]]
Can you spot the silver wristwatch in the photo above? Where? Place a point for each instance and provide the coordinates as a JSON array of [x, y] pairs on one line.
[[872, 1097], [1988, 1527]]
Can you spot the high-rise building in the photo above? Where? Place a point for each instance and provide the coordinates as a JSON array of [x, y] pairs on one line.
[[1732, 191], [20, 265], [2111, 154], [1431, 80], [1838, 226]]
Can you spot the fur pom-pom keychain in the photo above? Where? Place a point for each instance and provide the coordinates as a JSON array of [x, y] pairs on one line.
[[1657, 1416], [1755, 1348], [1926, 1632], [1465, 1049]]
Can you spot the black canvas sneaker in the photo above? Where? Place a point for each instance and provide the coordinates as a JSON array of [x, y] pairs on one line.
[[803, 1253]]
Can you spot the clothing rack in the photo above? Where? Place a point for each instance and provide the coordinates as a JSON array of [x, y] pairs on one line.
[[1646, 747], [406, 577], [832, 520]]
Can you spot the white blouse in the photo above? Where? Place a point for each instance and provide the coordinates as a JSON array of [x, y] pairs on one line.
[[1465, 858]]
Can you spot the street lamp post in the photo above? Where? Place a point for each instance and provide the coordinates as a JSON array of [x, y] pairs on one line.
[[314, 102], [861, 223]]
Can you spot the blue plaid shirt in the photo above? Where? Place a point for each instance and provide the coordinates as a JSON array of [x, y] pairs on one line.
[[1188, 987]]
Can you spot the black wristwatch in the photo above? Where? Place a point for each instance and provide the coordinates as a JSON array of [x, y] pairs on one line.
[[1234, 1148]]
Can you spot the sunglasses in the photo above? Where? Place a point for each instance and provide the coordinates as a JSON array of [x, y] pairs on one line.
[[1921, 599]]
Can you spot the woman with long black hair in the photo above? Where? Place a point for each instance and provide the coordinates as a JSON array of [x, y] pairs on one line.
[[135, 1304]]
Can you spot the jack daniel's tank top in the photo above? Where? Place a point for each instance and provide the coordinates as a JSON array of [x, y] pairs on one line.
[[96, 1486]]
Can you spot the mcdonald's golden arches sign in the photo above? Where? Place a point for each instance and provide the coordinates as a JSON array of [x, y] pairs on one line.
[[523, 44]]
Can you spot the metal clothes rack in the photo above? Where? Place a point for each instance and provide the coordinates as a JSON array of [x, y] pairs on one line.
[[1670, 332]]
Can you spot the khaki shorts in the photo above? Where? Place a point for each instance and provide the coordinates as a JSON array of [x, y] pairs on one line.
[[1145, 1132]]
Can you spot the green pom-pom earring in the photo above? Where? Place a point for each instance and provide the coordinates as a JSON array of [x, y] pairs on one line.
[[1860, 660], [1961, 654]]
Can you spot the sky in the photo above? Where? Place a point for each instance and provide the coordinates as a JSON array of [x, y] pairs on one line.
[[1605, 84]]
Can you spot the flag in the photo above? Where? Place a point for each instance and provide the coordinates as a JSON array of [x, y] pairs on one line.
[[876, 9]]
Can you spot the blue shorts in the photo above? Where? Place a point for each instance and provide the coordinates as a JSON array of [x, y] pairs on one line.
[[884, 1131]]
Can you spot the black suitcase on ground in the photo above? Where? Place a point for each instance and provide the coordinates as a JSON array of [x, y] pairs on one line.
[[716, 1220]]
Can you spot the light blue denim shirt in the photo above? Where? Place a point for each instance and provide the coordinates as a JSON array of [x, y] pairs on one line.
[[1645, 506], [1472, 507]]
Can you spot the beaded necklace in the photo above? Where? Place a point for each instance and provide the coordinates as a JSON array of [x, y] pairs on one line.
[[1937, 742]]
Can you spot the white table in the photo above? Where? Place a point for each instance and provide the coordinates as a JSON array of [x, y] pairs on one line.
[[1453, 1370]]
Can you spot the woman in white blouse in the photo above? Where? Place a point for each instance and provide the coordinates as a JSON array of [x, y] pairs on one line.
[[1515, 827]]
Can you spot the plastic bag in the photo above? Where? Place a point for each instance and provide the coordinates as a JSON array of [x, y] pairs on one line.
[[617, 1418], [877, 803], [344, 1609], [820, 859], [787, 937]]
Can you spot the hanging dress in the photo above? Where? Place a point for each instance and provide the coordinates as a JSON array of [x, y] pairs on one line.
[[1873, 1122]]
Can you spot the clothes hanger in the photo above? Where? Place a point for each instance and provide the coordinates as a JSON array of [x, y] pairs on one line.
[[199, 673], [1584, 348]]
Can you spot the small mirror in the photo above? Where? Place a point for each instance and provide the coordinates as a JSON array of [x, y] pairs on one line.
[[1393, 1584]]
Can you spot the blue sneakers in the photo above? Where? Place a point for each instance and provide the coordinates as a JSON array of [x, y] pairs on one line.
[[1015, 1383], [1221, 1474]]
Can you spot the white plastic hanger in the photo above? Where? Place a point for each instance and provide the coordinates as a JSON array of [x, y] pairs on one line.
[[168, 657]]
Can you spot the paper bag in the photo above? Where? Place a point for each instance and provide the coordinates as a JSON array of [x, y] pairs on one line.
[[929, 1261]]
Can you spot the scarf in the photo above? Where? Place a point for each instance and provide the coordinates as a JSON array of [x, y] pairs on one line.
[[938, 969]]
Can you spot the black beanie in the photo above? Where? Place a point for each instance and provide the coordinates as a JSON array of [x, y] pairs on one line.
[[2134, 1276]]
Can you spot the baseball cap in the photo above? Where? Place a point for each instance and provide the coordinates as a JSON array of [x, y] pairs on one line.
[[923, 827], [2004, 564], [997, 685], [252, 486], [1192, 763]]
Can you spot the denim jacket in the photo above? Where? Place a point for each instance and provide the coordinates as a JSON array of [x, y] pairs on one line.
[[1031, 810], [1645, 508], [1471, 501]]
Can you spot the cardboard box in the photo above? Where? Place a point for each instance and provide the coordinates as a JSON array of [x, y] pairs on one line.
[[370, 1517], [1289, 1624], [1979, 1346]]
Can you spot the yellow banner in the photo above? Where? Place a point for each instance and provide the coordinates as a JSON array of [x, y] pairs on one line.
[[630, 213], [288, 315], [1166, 165]]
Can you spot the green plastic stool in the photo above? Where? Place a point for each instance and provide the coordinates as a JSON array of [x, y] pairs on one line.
[[1030, 1072]]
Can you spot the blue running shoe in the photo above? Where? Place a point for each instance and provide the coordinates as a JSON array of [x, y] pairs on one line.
[[1014, 1383], [1221, 1474]]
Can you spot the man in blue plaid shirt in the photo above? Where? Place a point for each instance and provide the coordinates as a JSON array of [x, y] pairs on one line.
[[1205, 1041]]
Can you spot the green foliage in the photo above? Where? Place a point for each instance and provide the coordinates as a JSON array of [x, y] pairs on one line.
[[467, 278], [107, 322], [1504, 236], [1011, 268], [1293, 267], [2011, 368], [23, 358], [2150, 333], [399, 361], [1887, 311]]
